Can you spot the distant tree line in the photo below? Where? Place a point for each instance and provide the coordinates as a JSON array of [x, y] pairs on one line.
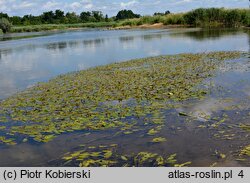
[[60, 17], [197, 17], [56, 17]]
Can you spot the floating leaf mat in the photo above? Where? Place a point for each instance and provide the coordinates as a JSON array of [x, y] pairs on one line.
[[105, 97]]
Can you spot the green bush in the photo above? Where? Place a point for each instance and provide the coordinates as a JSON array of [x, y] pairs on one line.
[[173, 19], [130, 22], [218, 16], [5, 25]]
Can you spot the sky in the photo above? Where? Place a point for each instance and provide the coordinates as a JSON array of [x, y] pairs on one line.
[[111, 7]]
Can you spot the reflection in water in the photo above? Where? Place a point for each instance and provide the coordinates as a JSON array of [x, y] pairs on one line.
[[24, 62], [127, 38], [25, 154], [16, 36], [57, 46], [149, 37], [93, 42], [74, 44], [53, 46], [206, 34], [4, 52]]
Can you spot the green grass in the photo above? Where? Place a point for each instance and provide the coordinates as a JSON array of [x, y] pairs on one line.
[[171, 19], [47, 27]]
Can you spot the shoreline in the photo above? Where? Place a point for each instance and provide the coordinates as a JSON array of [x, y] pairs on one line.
[[149, 26], [126, 27]]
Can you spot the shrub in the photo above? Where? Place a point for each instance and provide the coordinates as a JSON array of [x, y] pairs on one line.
[[174, 19], [5, 25], [130, 22]]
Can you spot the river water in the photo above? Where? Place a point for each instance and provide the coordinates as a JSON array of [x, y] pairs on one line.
[[29, 58]]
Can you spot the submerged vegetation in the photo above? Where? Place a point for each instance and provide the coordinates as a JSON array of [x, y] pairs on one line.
[[59, 20]]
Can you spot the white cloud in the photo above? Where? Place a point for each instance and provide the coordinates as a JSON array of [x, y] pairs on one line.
[[36, 7], [182, 2], [23, 5], [50, 5], [79, 5], [89, 6], [5, 6], [128, 4], [75, 5]]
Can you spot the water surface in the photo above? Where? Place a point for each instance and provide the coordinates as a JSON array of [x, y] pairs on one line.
[[26, 61]]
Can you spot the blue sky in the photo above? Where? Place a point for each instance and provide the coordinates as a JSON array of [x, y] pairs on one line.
[[111, 7]]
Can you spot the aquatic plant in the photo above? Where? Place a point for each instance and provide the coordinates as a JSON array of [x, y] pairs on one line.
[[245, 127], [111, 96], [8, 141], [245, 151], [107, 157], [159, 139]]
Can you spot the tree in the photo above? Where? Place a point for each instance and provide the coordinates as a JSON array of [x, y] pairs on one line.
[[48, 17], [97, 15], [4, 15], [59, 16], [233, 17], [158, 14], [72, 17], [161, 14], [85, 16], [5, 25], [167, 12], [106, 18], [126, 14], [16, 20], [26, 20]]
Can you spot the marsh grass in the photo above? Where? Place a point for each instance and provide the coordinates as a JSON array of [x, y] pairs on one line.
[[170, 19], [47, 27]]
